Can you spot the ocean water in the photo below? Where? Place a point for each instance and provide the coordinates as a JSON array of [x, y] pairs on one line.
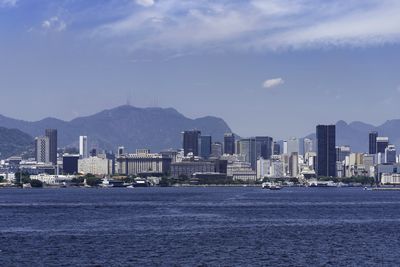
[[199, 227]]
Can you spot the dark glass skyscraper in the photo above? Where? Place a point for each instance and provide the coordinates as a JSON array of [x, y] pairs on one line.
[[229, 143], [264, 146], [52, 135], [372, 142], [191, 142], [205, 146], [326, 150]]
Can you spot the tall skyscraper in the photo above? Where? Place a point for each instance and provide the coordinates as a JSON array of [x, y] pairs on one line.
[[229, 143], [381, 144], [205, 146], [191, 142], [372, 142], [83, 147], [326, 150], [247, 148], [277, 149], [42, 149], [342, 152], [53, 143], [264, 147]]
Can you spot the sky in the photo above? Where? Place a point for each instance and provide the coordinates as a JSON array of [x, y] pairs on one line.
[[267, 67]]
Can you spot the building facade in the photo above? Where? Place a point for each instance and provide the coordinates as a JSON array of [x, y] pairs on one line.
[[326, 150]]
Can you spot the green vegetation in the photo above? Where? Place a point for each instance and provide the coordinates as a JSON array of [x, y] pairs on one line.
[[2, 179], [36, 184], [22, 178]]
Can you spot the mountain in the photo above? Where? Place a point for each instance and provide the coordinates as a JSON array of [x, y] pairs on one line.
[[132, 127], [355, 134], [13, 142]]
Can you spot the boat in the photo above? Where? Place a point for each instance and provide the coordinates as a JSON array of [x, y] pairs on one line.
[[271, 186], [106, 183]]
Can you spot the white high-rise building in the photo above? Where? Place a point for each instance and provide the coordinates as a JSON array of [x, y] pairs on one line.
[[83, 147], [307, 145], [42, 149]]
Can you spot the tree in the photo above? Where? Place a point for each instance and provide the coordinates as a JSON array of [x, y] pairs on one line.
[[1, 179], [36, 183]]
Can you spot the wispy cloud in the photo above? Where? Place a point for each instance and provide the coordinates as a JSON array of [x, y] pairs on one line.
[[256, 24], [271, 83], [145, 3], [54, 24], [8, 3]]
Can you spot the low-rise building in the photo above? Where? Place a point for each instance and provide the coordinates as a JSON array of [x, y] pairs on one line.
[[143, 162]]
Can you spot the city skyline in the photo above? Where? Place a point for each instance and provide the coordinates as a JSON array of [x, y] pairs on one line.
[[68, 55]]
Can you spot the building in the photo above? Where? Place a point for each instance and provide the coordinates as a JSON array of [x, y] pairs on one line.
[[381, 144], [191, 142], [294, 164], [390, 154], [263, 168], [53, 143], [83, 147], [342, 152], [307, 146], [390, 179], [143, 162], [247, 148], [217, 150], [188, 167], [229, 143], [264, 147], [95, 166], [42, 149], [277, 149], [372, 142], [326, 150], [121, 151], [70, 164], [205, 146], [293, 146]]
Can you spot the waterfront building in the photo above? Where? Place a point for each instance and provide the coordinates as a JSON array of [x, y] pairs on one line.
[[143, 162], [247, 149], [42, 149], [390, 179], [51, 134], [70, 164], [188, 167], [205, 146], [326, 150], [372, 142], [229, 143], [263, 168], [95, 166], [52, 179], [83, 147], [191, 142]]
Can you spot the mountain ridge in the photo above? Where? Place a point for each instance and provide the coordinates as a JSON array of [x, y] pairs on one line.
[[129, 126]]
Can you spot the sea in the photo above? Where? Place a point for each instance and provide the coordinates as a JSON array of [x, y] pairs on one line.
[[196, 226]]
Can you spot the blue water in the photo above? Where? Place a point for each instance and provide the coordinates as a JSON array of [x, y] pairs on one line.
[[199, 227]]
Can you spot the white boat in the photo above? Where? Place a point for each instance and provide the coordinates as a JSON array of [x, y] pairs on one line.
[[106, 183], [271, 186]]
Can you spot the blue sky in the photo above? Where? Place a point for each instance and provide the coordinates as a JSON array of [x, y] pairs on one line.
[[267, 67]]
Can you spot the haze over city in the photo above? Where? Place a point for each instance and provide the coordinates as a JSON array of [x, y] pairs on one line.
[[273, 68]]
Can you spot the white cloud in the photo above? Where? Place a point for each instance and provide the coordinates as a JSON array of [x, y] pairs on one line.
[[54, 24], [271, 83], [256, 24], [8, 3], [145, 3]]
